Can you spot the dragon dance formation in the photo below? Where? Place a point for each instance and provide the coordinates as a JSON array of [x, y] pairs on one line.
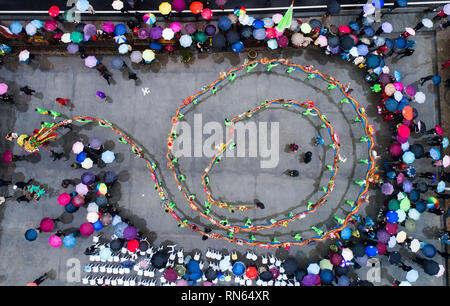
[[232, 232]]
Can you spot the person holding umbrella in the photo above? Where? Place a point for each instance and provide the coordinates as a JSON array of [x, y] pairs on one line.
[[38, 280], [28, 91]]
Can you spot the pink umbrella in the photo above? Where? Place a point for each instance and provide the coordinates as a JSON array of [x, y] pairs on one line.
[[90, 61], [7, 156], [179, 5], [78, 201], [54, 241], [143, 33], [77, 147], [283, 41], [439, 130], [50, 25], [170, 275], [387, 189], [181, 282], [400, 178], [64, 199], [403, 131], [3, 88], [410, 90], [381, 247], [271, 33], [81, 189], [175, 26], [398, 86], [207, 13], [86, 229], [47, 225], [389, 89], [108, 27], [392, 228], [207, 284], [401, 139], [322, 41], [395, 149], [344, 29]]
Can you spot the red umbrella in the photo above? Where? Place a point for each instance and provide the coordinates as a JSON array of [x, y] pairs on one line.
[[336, 259], [78, 201], [53, 11], [86, 229], [47, 225], [196, 7], [170, 275], [395, 149], [7, 156], [251, 272], [403, 131], [344, 29], [64, 199], [381, 247], [271, 33], [392, 228], [207, 13], [133, 246]]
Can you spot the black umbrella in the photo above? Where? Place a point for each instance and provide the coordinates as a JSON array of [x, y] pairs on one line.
[[80, 27], [422, 187], [266, 276], [110, 177], [143, 245], [333, 41], [430, 267], [218, 41], [358, 250], [417, 150], [233, 37], [247, 32], [346, 42], [116, 244], [395, 258], [338, 270], [101, 200], [211, 274], [290, 265], [300, 273], [365, 283], [333, 7], [159, 260], [315, 24]]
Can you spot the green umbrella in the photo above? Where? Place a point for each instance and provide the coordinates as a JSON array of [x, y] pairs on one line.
[[325, 264], [405, 204], [200, 37], [410, 225], [69, 16], [287, 19], [76, 37], [180, 269], [394, 205]]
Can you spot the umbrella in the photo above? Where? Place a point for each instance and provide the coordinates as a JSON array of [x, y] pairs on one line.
[[102, 188], [92, 217], [50, 25], [182, 282], [170, 275], [445, 142], [440, 186], [347, 254], [313, 268], [275, 272], [81, 157], [110, 177], [87, 163], [70, 208], [149, 18], [116, 244], [420, 97], [24, 55], [289, 265], [311, 280], [55, 241], [392, 217], [168, 34], [86, 229], [108, 157], [431, 267], [148, 55], [435, 154], [395, 258], [218, 41], [407, 187], [180, 269], [238, 268], [31, 234], [346, 233], [88, 178], [136, 56], [3, 88], [371, 251], [415, 245], [210, 30], [116, 220], [383, 236], [401, 237], [211, 274], [202, 37], [119, 229], [343, 280], [30, 29], [106, 219], [130, 232], [272, 44], [408, 157], [418, 150], [155, 45], [120, 29], [82, 189], [412, 276], [89, 30], [101, 200], [186, 41], [266, 276], [283, 41], [401, 215], [446, 161], [321, 40], [16, 27], [362, 261], [69, 241], [47, 225], [394, 204], [72, 48], [333, 7], [193, 266], [238, 46], [325, 264], [387, 188], [259, 34], [190, 28], [395, 149], [428, 250], [133, 245], [95, 143], [326, 277], [77, 147], [117, 5], [90, 61], [411, 171], [381, 247], [336, 259], [63, 199], [224, 23], [76, 37], [92, 207], [116, 62]]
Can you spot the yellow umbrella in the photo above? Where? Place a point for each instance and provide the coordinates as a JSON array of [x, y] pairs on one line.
[[148, 55], [165, 8], [21, 139]]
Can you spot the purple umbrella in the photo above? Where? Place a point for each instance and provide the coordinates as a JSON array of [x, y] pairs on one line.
[[410, 90], [387, 188], [89, 30], [179, 5], [385, 78], [190, 28], [156, 33], [210, 30], [383, 236], [407, 186], [143, 33], [88, 178], [130, 233], [72, 48], [170, 275], [108, 27], [95, 143], [310, 280]]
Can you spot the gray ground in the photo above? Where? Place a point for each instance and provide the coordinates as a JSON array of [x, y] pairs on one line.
[[147, 119]]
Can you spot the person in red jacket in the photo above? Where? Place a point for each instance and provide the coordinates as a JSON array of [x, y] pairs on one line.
[[62, 102]]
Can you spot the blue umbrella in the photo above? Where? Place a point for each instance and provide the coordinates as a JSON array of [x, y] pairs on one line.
[[401, 3], [224, 23], [81, 157], [391, 175], [326, 276], [98, 225], [391, 104], [101, 200], [193, 266], [16, 27], [37, 23], [120, 39], [31, 234], [362, 50], [428, 250], [120, 29], [378, 3], [346, 233], [435, 154], [343, 281], [369, 31], [362, 260], [371, 251], [411, 171], [105, 253], [421, 206], [247, 32], [110, 177], [258, 24], [210, 30], [238, 46], [259, 34], [408, 157], [155, 46], [414, 195], [400, 43], [219, 40], [238, 269], [108, 157], [373, 61], [117, 62], [403, 102], [389, 43], [88, 178], [407, 186], [70, 208], [397, 76], [232, 37], [436, 80], [268, 22], [196, 275], [95, 143], [272, 44], [440, 186], [124, 48], [69, 241], [354, 26], [119, 228], [445, 142], [391, 216]]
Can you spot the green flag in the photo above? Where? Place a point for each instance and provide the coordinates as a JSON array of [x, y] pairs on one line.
[[287, 19]]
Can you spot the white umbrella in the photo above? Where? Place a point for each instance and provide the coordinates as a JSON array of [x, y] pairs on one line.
[[410, 31], [92, 207], [427, 23], [385, 69], [116, 220], [414, 214], [277, 18], [415, 245], [233, 18], [419, 97], [108, 157], [244, 19], [398, 95], [186, 40], [225, 264], [401, 237], [313, 268], [392, 242], [404, 284], [168, 34], [30, 29], [92, 217], [441, 271], [297, 39], [148, 55], [136, 56], [412, 276], [120, 39], [77, 147], [347, 254], [446, 161], [81, 189], [117, 5], [24, 55], [354, 52], [87, 163], [124, 48], [401, 215], [65, 38]]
